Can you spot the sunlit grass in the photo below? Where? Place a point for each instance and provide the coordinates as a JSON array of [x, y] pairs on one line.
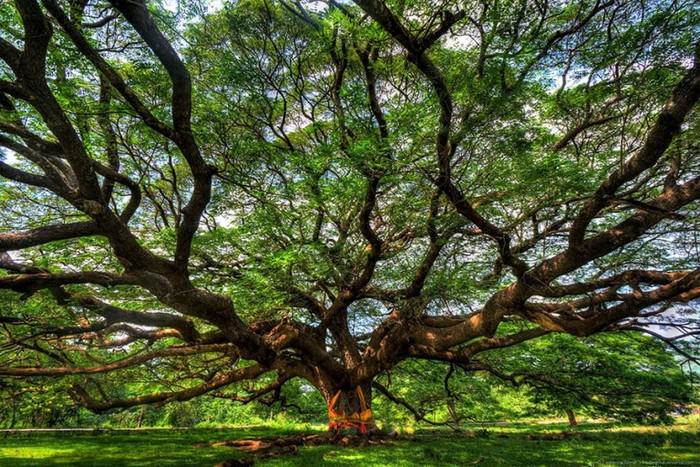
[[504, 445]]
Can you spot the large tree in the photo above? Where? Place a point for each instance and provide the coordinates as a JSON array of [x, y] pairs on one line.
[[262, 191]]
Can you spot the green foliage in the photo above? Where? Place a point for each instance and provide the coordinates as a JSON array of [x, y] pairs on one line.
[[618, 376], [292, 170], [624, 377], [615, 377]]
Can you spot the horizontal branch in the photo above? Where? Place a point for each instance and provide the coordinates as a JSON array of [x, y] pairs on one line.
[[42, 235], [29, 283], [216, 382], [179, 351]]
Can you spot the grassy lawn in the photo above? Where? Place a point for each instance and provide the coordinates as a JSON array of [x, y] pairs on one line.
[[512, 445]]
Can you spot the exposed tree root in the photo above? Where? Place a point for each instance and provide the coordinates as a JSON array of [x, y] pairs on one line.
[[261, 448]]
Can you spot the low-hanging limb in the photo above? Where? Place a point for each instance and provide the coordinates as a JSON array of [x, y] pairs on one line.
[[216, 382], [174, 351], [418, 415]]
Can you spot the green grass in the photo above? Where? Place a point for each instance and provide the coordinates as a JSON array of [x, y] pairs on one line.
[[595, 444]]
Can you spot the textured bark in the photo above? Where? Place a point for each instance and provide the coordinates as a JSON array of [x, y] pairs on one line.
[[350, 409]]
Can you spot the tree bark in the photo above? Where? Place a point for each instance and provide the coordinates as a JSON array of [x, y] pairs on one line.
[[572, 417], [351, 409]]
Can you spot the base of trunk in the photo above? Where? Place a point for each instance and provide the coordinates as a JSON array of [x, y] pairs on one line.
[[351, 410]]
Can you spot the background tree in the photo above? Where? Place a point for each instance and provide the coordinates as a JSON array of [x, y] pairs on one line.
[[270, 192]]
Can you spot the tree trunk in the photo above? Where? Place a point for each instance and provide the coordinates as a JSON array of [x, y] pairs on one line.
[[351, 409], [572, 417]]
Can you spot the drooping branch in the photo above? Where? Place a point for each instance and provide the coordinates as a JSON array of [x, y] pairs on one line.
[[127, 362], [216, 382], [669, 341], [418, 415]]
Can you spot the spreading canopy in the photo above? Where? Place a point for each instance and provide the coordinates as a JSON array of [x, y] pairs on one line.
[[321, 190]]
